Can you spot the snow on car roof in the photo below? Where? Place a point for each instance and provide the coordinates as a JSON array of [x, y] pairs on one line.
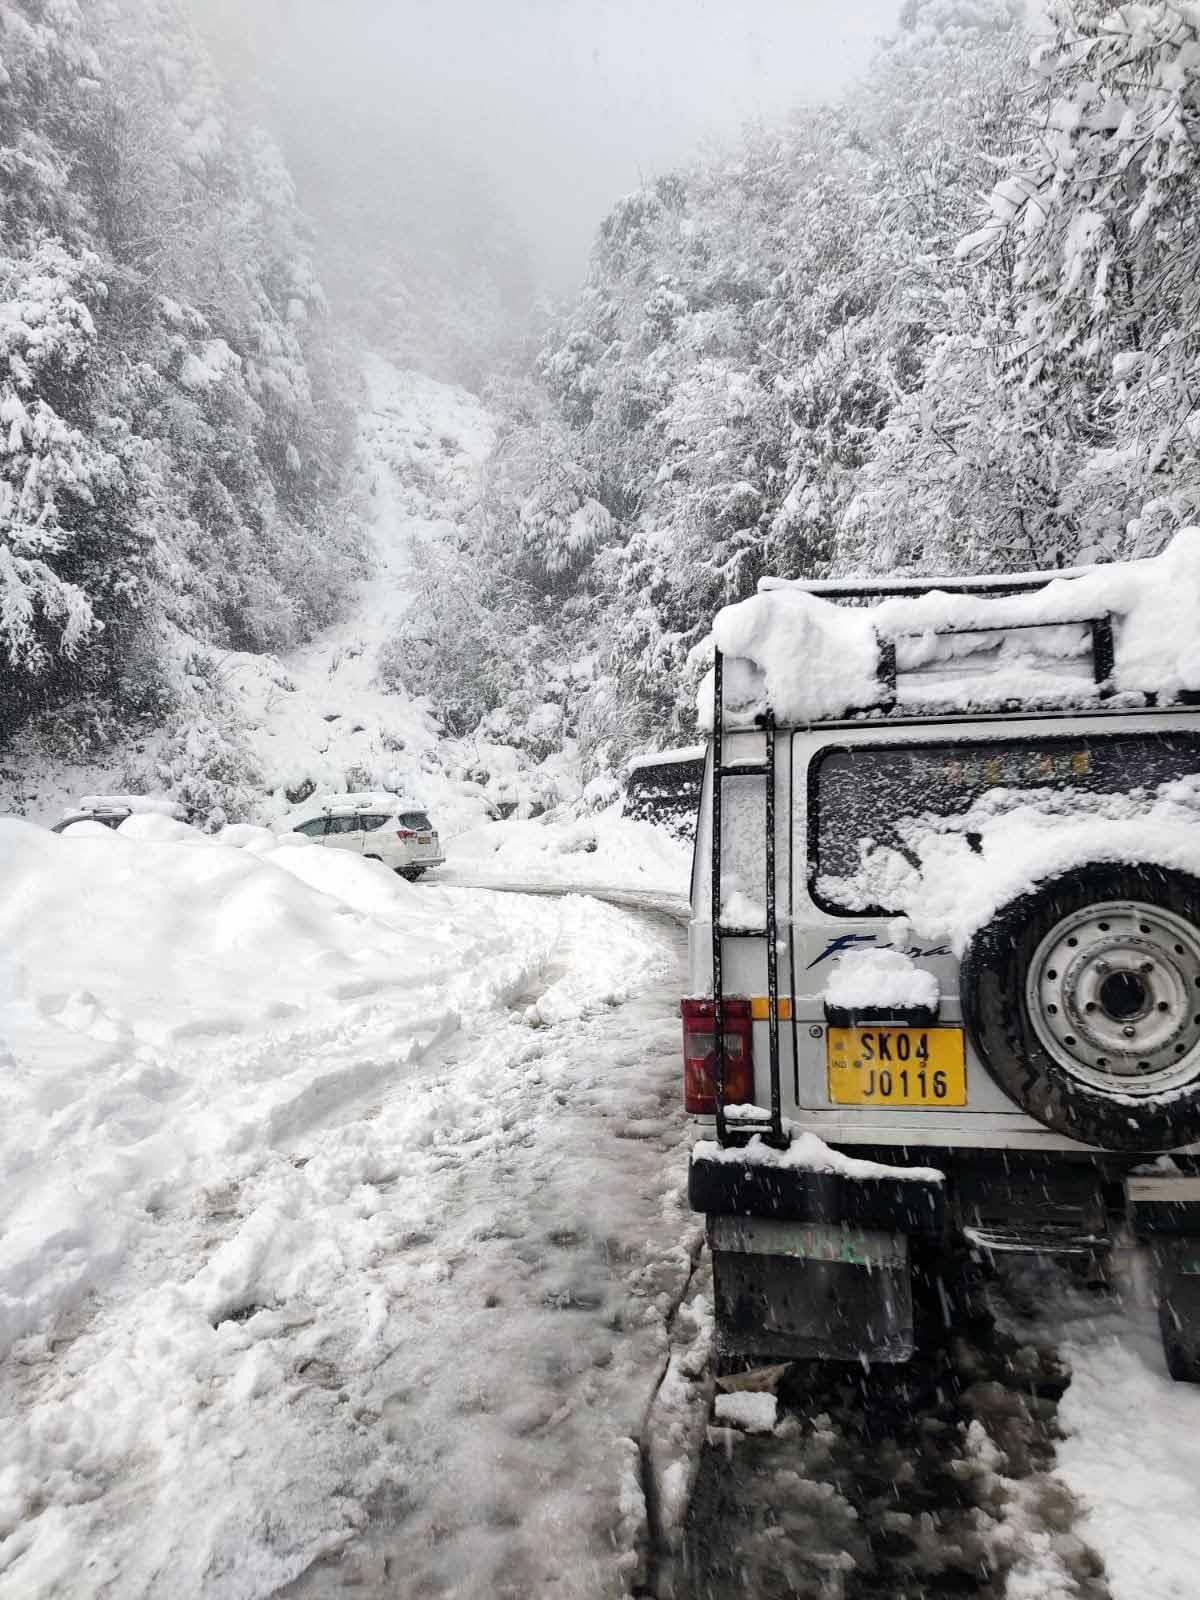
[[361, 800], [795, 653], [664, 758], [131, 803]]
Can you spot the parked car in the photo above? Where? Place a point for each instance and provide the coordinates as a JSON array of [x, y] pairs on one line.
[[111, 810], [664, 788], [381, 828], [1015, 761]]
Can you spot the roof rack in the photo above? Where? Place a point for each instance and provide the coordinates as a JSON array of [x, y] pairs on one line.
[[886, 588]]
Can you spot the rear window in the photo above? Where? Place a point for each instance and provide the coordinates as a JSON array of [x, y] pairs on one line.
[[416, 820], [870, 799]]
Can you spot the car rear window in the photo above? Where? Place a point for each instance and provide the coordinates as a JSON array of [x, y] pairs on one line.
[[869, 798], [416, 820]]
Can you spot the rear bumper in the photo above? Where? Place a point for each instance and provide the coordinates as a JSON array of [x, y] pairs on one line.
[[910, 1205]]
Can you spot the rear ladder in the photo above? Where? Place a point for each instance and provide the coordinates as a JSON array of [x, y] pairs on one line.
[[741, 1129]]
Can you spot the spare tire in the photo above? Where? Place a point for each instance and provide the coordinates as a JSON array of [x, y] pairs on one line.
[[1083, 999]]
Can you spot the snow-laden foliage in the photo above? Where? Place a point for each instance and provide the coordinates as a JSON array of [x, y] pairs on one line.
[[750, 323], [825, 349], [1056, 418], [170, 441]]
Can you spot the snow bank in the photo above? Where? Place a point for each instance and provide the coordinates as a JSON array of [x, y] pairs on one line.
[[1131, 1454], [149, 980], [806, 658], [666, 758], [344, 1223], [606, 849]]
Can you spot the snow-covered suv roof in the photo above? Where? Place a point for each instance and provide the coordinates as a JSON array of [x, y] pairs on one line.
[[942, 647], [362, 800]]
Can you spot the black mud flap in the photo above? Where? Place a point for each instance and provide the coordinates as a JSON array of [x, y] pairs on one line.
[[813, 1264], [787, 1291]]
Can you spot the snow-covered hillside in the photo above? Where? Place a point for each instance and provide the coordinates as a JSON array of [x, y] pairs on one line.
[[321, 720], [341, 712]]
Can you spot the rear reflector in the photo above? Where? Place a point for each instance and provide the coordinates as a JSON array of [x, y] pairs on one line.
[[700, 1054]]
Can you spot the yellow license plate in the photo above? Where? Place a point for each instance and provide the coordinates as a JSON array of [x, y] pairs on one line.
[[886, 1066]]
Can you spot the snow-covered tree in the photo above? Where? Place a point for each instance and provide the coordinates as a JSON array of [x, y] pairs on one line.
[[171, 434]]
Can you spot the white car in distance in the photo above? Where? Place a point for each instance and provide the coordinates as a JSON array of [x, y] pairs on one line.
[[379, 827]]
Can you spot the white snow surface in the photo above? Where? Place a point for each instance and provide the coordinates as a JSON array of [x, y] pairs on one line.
[[806, 658], [343, 1223], [1131, 1447], [885, 978], [955, 890], [664, 758], [141, 803], [604, 849], [321, 715], [753, 1412], [805, 1152]]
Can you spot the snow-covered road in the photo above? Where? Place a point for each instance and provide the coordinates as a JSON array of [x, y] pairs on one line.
[[371, 1291]]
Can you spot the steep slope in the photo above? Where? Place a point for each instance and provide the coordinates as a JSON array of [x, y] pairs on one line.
[[331, 715]]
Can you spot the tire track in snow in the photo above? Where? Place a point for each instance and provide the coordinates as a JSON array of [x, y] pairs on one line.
[[934, 1478]]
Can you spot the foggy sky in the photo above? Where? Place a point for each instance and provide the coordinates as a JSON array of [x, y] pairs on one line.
[[567, 104]]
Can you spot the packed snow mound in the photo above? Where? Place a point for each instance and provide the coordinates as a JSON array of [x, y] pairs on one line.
[[320, 1191], [606, 849], [806, 659], [152, 990], [887, 979], [230, 936]]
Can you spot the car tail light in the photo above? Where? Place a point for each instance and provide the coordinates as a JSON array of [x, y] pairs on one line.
[[406, 833], [700, 1054]]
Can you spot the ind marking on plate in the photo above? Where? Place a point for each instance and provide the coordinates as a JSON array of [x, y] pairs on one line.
[[902, 1067]]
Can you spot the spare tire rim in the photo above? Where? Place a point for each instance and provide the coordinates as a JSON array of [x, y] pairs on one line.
[[1113, 993]]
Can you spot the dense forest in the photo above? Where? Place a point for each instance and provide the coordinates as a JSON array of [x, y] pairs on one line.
[[946, 323], [175, 421]]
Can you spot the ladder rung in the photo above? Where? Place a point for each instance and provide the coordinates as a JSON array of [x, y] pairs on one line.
[[741, 933], [745, 769]]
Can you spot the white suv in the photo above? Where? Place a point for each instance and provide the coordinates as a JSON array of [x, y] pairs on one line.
[[380, 827], [945, 946]]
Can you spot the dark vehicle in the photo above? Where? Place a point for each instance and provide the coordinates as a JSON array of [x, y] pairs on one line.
[[113, 809], [664, 788]]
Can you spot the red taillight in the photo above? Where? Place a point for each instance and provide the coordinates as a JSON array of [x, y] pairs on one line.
[[405, 833], [700, 1054]]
